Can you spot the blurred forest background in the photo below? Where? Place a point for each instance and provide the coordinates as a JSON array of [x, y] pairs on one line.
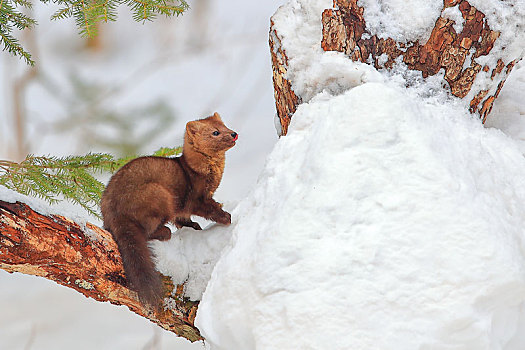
[[123, 90], [128, 91]]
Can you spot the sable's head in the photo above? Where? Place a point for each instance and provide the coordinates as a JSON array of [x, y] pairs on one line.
[[210, 135]]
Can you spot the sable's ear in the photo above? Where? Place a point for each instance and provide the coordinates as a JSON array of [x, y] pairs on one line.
[[192, 127], [216, 117]]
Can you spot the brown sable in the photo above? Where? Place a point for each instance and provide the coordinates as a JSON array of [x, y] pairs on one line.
[[148, 192]]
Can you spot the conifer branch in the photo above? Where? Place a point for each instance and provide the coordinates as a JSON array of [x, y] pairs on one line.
[[70, 178], [11, 18], [87, 13]]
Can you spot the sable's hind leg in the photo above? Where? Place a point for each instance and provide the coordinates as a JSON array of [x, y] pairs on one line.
[[181, 222], [163, 233], [154, 210]]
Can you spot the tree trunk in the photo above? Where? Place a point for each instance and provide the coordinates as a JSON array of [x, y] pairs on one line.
[[286, 101], [345, 30], [84, 258]]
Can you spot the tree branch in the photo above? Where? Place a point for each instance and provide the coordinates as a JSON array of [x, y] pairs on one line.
[[84, 258]]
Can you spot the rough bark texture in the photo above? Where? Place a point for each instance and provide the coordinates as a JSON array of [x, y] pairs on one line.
[[84, 258], [446, 49], [286, 101], [344, 28]]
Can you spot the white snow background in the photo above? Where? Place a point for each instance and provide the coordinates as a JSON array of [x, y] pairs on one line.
[[384, 220]]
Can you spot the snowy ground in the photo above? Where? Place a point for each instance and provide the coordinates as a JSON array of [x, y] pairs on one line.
[[359, 188]]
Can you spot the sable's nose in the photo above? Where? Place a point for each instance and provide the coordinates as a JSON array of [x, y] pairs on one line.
[[234, 135]]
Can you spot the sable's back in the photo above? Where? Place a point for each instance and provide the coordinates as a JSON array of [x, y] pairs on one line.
[[134, 204], [125, 185]]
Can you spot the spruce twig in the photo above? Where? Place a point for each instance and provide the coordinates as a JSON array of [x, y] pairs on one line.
[[70, 178], [11, 18], [87, 13]]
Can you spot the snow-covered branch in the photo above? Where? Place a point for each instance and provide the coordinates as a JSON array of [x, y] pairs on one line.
[[84, 258]]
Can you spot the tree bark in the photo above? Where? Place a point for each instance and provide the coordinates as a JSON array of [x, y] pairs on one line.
[[286, 101], [86, 259], [345, 30]]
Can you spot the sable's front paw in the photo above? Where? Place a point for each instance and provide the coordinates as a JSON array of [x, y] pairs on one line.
[[188, 223], [223, 218], [195, 226]]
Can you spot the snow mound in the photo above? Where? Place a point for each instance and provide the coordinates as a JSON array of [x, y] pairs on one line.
[[380, 222], [190, 256]]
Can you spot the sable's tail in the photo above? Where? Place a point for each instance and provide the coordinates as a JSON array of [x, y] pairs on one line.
[[138, 264]]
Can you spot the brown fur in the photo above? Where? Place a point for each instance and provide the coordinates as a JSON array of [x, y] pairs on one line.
[[149, 192]]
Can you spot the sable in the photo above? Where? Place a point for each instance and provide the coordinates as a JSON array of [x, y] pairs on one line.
[[148, 192]]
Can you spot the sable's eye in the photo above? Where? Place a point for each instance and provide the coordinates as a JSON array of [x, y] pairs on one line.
[[216, 133]]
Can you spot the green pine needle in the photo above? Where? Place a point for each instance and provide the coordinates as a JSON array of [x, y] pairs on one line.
[[66, 178], [87, 13]]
